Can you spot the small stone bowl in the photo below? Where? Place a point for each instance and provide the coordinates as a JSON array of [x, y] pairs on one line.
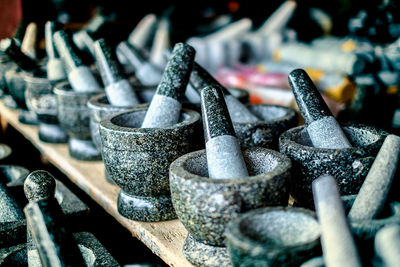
[[205, 206], [349, 166], [273, 236], [74, 116], [367, 229], [137, 159], [41, 100], [265, 133], [15, 79]]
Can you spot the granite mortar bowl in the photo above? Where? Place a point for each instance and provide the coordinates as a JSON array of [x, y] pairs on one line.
[[74, 116], [137, 159], [265, 133], [5, 64], [205, 205], [273, 236], [16, 85], [100, 108], [349, 166], [367, 229], [40, 99]]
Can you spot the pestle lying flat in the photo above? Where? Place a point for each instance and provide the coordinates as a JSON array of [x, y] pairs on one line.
[[323, 129], [224, 156], [238, 112], [165, 107], [372, 195], [337, 242], [118, 89]]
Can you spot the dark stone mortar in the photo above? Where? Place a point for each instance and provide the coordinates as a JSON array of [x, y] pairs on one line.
[[349, 166], [265, 133], [367, 229], [12, 233], [137, 159], [74, 116], [273, 236], [205, 205], [40, 99]]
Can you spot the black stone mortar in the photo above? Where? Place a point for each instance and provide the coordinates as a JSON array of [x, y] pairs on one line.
[[95, 252], [138, 160], [15, 79], [349, 166], [205, 205], [367, 229], [74, 116], [273, 236], [12, 233], [40, 99], [265, 133]]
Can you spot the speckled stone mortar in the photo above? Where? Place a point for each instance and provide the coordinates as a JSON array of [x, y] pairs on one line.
[[15, 79], [74, 116], [137, 159], [349, 166], [273, 236], [12, 233], [40, 99], [96, 254], [205, 205], [265, 133], [366, 229]]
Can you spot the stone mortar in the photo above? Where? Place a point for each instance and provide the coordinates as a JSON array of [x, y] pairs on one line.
[[265, 133], [349, 166], [366, 229], [40, 99], [74, 116], [273, 236], [137, 159], [205, 205]]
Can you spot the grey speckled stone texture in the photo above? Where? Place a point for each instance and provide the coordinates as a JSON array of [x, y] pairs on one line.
[[74, 116], [137, 159], [349, 166], [367, 228], [265, 133], [273, 236], [205, 205]]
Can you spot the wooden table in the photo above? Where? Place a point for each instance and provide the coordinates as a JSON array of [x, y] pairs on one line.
[[165, 239]]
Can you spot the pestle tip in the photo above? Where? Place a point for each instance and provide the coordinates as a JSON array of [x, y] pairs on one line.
[[39, 185]]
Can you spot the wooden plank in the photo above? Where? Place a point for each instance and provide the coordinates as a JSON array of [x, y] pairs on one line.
[[165, 239]]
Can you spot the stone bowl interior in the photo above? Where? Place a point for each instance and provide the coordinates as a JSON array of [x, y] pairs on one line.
[[269, 113], [68, 96], [278, 228]]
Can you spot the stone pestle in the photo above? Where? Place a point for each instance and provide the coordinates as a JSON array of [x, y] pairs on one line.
[[55, 68], [224, 156], [47, 230], [118, 89], [323, 129], [28, 45], [337, 242], [79, 74], [165, 107], [143, 31]]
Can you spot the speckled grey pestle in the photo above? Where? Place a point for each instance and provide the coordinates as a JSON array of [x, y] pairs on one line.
[[201, 78], [74, 116], [165, 107], [205, 206], [372, 195], [137, 159], [337, 242], [273, 236], [39, 185], [79, 75], [54, 67], [322, 127], [387, 245], [348, 166], [224, 156], [145, 71], [118, 89]]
